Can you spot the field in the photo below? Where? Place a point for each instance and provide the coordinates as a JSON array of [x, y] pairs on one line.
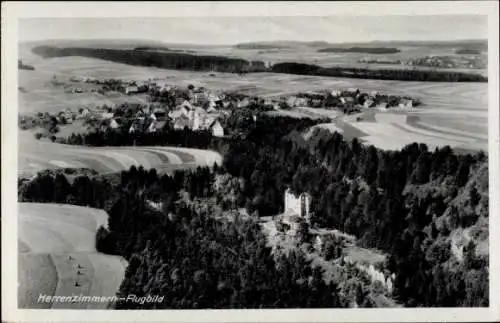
[[58, 256], [394, 131], [34, 155]]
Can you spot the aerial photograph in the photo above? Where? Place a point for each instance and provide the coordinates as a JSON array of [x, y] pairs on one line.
[[253, 162]]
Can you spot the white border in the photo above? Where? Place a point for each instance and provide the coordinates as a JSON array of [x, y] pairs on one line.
[[11, 11]]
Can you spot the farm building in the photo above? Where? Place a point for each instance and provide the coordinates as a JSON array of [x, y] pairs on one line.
[[131, 89]]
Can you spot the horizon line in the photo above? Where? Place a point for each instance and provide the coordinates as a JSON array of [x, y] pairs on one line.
[[258, 41]]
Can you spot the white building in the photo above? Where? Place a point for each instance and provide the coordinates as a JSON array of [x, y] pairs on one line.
[[113, 124], [107, 115], [152, 126], [131, 89], [299, 204], [217, 129], [85, 113]]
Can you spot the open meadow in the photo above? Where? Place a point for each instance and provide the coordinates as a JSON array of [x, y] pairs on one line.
[[58, 257]]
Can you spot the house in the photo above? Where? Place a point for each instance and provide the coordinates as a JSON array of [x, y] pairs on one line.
[[368, 103], [382, 106], [294, 101], [336, 93], [160, 124], [107, 115], [405, 103], [152, 126], [160, 114], [186, 104], [346, 100], [211, 108], [85, 113], [113, 124], [243, 103], [131, 89], [173, 115], [217, 129], [299, 204], [142, 125]]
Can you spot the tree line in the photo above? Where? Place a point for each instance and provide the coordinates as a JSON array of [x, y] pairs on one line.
[[378, 74], [160, 59]]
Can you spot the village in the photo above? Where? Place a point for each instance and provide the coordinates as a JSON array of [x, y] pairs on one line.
[[466, 62], [190, 108]]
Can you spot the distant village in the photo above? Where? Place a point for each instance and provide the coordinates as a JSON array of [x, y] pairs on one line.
[[192, 108], [466, 62]]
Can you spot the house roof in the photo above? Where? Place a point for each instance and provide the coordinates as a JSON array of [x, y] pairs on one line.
[[215, 122], [176, 114]]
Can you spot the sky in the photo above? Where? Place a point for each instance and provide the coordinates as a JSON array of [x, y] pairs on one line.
[[232, 30]]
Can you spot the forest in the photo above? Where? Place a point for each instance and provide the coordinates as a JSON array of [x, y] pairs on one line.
[[468, 51], [408, 204], [367, 50], [160, 59], [378, 74]]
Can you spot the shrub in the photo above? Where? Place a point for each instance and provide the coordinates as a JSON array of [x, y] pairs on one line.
[[38, 136], [105, 241]]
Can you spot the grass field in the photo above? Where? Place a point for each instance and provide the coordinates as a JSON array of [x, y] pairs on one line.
[[394, 131], [59, 250], [35, 155]]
